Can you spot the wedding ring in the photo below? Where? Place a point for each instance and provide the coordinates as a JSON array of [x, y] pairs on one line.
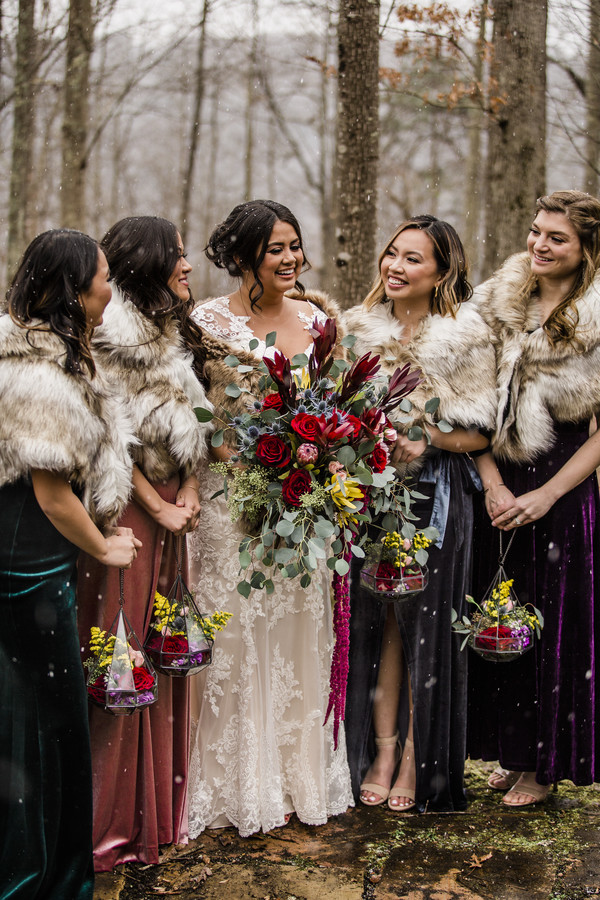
[[517, 520]]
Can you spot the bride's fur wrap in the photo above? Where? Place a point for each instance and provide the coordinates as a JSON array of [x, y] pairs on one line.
[[153, 372], [66, 424], [455, 356], [221, 375], [538, 382]]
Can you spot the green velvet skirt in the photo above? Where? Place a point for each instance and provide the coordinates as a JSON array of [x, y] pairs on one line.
[[45, 767]]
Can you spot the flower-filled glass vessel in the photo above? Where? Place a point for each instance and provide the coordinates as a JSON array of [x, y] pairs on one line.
[[501, 629], [394, 567], [121, 677], [180, 640]]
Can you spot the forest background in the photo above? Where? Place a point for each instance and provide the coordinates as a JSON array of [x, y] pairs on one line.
[[354, 113]]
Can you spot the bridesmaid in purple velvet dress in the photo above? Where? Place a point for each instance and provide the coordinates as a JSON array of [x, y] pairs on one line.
[[540, 716]]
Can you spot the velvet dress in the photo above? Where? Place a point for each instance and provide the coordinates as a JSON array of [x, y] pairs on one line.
[[437, 667], [456, 359], [45, 765], [541, 713]]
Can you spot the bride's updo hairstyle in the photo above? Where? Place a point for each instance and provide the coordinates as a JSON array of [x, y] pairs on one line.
[[451, 260], [240, 242]]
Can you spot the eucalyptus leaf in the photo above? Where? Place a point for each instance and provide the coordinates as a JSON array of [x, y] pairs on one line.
[[305, 580], [203, 415], [284, 555], [253, 344], [284, 528], [444, 426], [337, 546], [245, 559], [421, 556], [270, 339], [257, 580], [346, 455], [269, 586], [405, 405], [232, 390], [348, 341], [432, 405], [323, 528], [316, 550], [357, 551], [244, 588], [414, 433], [331, 562], [389, 522], [341, 567], [216, 439], [299, 360], [243, 370], [231, 361]]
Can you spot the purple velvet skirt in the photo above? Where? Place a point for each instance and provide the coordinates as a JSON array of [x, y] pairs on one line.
[[540, 713]]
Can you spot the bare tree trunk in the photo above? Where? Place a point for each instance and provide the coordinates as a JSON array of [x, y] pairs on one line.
[[474, 162], [357, 148], [23, 132], [250, 104], [517, 127], [194, 139], [326, 164], [592, 102], [75, 122]]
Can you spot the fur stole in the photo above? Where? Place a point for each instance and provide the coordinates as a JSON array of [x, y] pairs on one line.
[[62, 423], [455, 356], [153, 373], [221, 375], [538, 383]]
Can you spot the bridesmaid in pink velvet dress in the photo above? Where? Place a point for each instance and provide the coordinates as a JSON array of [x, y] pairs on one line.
[[140, 762]]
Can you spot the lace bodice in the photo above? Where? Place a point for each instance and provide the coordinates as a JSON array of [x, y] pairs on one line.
[[216, 318]]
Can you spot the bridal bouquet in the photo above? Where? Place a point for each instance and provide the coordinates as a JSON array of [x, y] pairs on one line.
[[313, 460], [312, 466]]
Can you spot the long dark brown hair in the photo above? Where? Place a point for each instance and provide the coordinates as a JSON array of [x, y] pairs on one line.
[[142, 252], [57, 267]]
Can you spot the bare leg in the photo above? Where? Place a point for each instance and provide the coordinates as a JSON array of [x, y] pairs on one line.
[[403, 792], [385, 708]]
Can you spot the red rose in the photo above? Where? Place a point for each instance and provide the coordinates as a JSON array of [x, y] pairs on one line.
[[97, 690], [386, 576], [272, 401], [492, 638], [308, 427], [379, 458], [296, 484], [271, 451], [175, 645], [142, 678]]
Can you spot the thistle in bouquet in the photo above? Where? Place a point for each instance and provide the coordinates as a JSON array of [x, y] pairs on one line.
[[312, 455]]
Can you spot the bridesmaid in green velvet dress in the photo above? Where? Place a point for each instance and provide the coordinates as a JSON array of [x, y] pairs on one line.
[[64, 478]]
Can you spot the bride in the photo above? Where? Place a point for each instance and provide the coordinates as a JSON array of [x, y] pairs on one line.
[[259, 748]]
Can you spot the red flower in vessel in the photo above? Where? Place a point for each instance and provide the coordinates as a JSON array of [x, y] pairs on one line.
[[271, 451], [296, 484], [142, 678], [97, 690], [175, 644], [492, 638]]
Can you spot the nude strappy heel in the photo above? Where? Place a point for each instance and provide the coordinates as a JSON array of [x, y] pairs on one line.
[[378, 789]]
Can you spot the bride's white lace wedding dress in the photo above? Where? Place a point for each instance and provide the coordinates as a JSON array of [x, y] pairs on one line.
[[259, 749]]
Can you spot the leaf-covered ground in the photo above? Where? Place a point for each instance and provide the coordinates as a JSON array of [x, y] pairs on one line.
[[490, 852]]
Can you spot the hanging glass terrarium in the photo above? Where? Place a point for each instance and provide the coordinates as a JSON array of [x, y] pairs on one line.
[[391, 570], [121, 677], [180, 640], [502, 629]]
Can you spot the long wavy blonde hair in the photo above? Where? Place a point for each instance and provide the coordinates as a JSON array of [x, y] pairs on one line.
[[583, 212]]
